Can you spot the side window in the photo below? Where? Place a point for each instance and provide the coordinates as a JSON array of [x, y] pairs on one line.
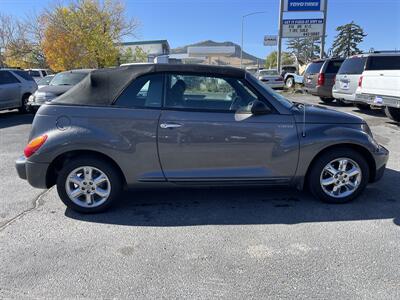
[[207, 93], [333, 66], [7, 78], [144, 91], [377, 63]]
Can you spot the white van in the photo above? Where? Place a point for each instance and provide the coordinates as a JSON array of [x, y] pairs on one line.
[[379, 84]]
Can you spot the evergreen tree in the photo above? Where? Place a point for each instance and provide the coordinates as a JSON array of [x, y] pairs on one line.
[[347, 40], [305, 49]]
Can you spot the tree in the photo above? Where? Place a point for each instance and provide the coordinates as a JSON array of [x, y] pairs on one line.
[[271, 60], [85, 34], [305, 49], [347, 40], [128, 56]]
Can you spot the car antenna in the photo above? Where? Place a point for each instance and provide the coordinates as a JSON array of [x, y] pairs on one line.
[[304, 120]]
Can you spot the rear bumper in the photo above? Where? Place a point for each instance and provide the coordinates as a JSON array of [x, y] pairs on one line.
[[274, 84], [377, 100], [320, 90], [343, 96], [34, 173]]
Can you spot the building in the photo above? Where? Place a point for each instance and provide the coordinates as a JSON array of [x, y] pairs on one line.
[[152, 48]]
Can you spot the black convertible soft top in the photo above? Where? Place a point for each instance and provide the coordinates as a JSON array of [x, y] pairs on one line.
[[102, 86]]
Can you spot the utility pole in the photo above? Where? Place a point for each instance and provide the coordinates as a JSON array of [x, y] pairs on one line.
[[322, 52], [280, 37]]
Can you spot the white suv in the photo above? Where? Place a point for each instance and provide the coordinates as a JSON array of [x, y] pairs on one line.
[[379, 84]]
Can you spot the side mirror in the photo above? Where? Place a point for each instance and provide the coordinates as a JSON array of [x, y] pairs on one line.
[[259, 108]]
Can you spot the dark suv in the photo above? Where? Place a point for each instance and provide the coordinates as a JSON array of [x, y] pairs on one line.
[[319, 77]]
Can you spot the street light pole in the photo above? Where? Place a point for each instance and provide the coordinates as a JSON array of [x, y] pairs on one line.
[[241, 45]]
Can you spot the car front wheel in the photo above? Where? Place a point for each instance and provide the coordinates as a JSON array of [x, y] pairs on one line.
[[338, 176], [24, 108], [289, 82], [393, 113], [88, 185]]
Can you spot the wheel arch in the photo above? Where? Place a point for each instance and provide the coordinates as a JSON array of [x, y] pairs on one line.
[[360, 149], [56, 165]]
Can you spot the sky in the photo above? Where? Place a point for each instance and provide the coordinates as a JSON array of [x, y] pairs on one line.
[[183, 22]]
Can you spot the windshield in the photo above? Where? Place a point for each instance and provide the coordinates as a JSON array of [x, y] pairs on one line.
[[45, 81], [25, 75], [34, 73], [269, 72], [67, 78], [353, 65], [314, 67], [278, 97]]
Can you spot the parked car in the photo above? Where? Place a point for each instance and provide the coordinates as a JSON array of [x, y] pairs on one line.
[[271, 77], [379, 84], [319, 77], [189, 125], [61, 83], [45, 81], [15, 88], [38, 74], [347, 79]]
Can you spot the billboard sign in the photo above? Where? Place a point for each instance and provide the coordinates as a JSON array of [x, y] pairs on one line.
[[270, 40], [303, 5], [298, 28]]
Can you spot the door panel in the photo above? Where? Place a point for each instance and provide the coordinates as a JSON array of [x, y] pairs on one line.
[[210, 146], [10, 95]]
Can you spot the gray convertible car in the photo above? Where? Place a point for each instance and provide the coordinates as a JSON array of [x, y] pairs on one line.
[[192, 125]]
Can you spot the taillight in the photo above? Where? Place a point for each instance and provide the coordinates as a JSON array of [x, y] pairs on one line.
[[321, 79], [360, 81], [34, 145]]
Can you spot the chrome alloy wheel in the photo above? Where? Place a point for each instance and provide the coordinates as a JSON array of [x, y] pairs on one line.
[[88, 186], [341, 177]]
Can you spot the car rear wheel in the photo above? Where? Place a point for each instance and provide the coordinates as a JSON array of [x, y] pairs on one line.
[[326, 100], [362, 106], [88, 185], [24, 108], [338, 176], [289, 82], [393, 113], [342, 102]]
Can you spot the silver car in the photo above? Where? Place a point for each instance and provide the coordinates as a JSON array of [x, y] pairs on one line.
[[271, 78], [16, 86], [348, 77], [170, 124]]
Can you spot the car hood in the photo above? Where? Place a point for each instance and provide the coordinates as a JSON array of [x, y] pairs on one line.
[[322, 115], [57, 90]]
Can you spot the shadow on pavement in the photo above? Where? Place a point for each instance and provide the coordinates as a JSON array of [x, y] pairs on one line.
[[241, 206], [14, 118]]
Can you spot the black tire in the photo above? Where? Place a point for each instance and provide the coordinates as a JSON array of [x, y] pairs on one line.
[[393, 113], [289, 82], [108, 169], [362, 106], [319, 165], [24, 108], [326, 100], [342, 102]]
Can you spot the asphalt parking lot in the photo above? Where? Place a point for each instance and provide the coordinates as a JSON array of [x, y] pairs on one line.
[[201, 243]]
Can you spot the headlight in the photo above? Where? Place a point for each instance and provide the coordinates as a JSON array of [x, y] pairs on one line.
[[366, 129], [43, 96]]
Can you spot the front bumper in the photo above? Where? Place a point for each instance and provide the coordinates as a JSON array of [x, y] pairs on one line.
[[381, 156], [35, 173]]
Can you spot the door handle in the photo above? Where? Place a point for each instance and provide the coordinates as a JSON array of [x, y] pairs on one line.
[[170, 125]]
